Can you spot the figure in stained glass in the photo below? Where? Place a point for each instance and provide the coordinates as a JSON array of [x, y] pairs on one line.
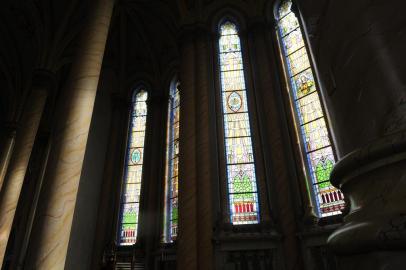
[[305, 84]]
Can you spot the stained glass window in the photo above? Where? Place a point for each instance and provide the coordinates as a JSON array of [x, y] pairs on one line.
[[311, 122], [172, 161], [133, 172], [240, 166]]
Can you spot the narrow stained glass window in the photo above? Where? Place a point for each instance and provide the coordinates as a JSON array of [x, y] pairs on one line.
[[311, 122], [240, 166], [130, 199], [172, 161]]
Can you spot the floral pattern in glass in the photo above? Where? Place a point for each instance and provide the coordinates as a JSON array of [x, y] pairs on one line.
[[133, 172], [172, 162], [240, 166], [311, 124]]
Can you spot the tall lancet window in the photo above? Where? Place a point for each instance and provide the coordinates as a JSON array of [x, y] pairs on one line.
[[130, 199], [312, 128], [240, 165], [172, 161]]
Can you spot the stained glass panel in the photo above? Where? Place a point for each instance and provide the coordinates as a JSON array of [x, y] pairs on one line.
[[242, 185], [172, 165], [308, 108], [133, 172]]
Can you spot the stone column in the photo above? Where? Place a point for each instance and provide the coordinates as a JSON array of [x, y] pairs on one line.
[[284, 193], [362, 53], [154, 168], [7, 147], [24, 142], [108, 213], [187, 237], [51, 233], [195, 250], [203, 103]]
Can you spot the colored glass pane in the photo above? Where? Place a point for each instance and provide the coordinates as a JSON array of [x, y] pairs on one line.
[[133, 171], [242, 186], [172, 165], [312, 126]]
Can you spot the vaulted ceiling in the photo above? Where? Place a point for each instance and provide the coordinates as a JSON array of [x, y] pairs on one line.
[[42, 34]]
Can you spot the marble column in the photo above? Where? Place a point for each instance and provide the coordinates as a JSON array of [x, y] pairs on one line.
[[24, 142], [9, 133], [362, 52], [187, 237], [51, 232]]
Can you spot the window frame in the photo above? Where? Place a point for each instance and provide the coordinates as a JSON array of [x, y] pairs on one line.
[[295, 121], [166, 209], [124, 167], [252, 113]]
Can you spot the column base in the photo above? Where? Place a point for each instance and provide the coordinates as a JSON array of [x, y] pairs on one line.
[[374, 181]]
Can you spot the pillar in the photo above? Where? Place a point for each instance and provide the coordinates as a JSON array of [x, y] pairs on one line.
[[361, 57], [187, 237], [105, 242], [204, 140], [284, 194], [51, 232], [151, 219], [195, 250], [16, 171]]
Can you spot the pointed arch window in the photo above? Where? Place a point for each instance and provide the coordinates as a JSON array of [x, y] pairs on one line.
[[312, 129], [130, 199], [172, 161], [240, 164]]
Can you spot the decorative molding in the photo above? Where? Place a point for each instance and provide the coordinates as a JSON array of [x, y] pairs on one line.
[[389, 149]]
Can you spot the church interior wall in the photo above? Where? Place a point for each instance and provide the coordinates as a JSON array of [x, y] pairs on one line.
[[356, 50]]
